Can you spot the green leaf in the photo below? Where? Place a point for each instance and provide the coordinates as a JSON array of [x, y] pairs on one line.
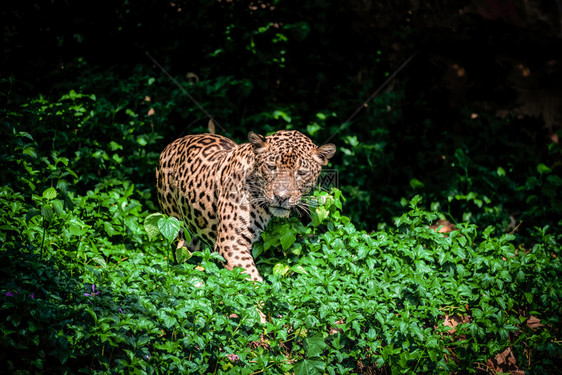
[[269, 241], [58, 206], [415, 183], [31, 214], [47, 212], [77, 228], [100, 261], [500, 171], [309, 367], [131, 223], [319, 215], [169, 227], [280, 114], [169, 321], [114, 146], [299, 269], [183, 254], [151, 225], [25, 134], [108, 228], [280, 269], [142, 141], [287, 239], [50, 193], [30, 151], [543, 169], [314, 345], [313, 128]]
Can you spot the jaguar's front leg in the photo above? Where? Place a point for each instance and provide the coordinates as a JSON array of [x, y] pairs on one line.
[[235, 238]]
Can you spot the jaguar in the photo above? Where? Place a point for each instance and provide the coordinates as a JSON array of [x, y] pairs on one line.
[[226, 193]]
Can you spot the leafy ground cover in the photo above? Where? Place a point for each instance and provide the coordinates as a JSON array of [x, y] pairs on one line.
[[86, 288], [407, 299]]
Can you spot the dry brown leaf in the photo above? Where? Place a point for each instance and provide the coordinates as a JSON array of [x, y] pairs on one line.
[[446, 226], [211, 126], [505, 362], [334, 330], [454, 320], [533, 322]]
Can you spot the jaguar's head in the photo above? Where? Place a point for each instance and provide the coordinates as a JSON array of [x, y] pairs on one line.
[[287, 165]]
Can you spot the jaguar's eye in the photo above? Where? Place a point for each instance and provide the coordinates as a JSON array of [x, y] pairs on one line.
[[271, 167], [301, 172]]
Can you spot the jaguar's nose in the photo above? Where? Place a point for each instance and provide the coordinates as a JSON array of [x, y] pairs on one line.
[[281, 201], [282, 195]]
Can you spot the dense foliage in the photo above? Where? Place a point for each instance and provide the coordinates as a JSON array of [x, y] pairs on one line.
[[444, 256], [86, 287]]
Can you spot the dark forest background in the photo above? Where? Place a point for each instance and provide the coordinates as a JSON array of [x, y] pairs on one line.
[[482, 92]]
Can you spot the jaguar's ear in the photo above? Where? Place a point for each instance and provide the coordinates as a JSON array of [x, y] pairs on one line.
[[257, 141], [323, 153]]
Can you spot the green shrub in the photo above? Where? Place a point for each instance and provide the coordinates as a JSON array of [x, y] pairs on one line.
[[84, 289], [89, 283]]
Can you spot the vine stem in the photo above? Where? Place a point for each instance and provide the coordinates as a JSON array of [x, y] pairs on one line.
[[43, 240]]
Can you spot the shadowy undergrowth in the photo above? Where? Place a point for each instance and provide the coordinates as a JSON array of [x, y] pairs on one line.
[[85, 287]]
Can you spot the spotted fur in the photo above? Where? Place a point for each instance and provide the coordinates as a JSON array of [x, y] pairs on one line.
[[227, 193]]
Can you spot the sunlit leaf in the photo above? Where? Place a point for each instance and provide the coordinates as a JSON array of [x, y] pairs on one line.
[[543, 169], [280, 269], [50, 193], [500, 171], [151, 225], [169, 227], [183, 254]]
